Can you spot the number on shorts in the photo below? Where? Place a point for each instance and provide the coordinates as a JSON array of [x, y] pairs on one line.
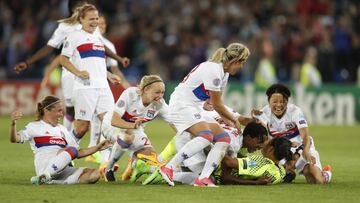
[[146, 141]]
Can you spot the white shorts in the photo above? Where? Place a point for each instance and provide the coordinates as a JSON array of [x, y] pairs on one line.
[[69, 175], [184, 116], [67, 87], [90, 102], [140, 141], [301, 163]]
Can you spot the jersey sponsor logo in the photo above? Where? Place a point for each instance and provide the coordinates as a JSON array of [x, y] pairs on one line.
[[130, 118], [49, 141], [216, 82], [290, 133], [91, 50]]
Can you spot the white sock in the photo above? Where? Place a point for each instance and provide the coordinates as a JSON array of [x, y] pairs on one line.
[[213, 159], [116, 152], [68, 122], [189, 149], [105, 155], [185, 177], [94, 131], [59, 162]]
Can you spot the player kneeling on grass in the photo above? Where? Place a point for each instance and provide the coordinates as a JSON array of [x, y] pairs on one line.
[[125, 125], [53, 146], [287, 120]]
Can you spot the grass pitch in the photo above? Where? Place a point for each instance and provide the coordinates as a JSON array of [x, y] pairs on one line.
[[338, 146]]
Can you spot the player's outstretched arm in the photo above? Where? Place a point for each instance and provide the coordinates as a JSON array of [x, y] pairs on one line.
[[41, 53], [91, 150], [14, 136]]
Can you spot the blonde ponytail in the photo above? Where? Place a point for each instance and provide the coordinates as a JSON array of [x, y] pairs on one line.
[[233, 53], [79, 12]]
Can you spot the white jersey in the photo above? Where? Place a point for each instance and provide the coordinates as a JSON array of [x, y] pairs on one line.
[[46, 140], [110, 61], [130, 107], [205, 77], [87, 52], [288, 125], [59, 36]]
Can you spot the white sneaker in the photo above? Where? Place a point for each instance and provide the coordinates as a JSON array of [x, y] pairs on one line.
[[326, 172]]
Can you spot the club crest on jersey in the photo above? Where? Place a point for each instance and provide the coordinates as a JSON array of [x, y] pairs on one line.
[[289, 125], [216, 82], [150, 113]]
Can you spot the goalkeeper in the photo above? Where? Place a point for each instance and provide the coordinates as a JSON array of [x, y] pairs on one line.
[[257, 169]]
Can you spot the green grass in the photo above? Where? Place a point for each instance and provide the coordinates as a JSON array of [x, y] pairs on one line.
[[338, 146]]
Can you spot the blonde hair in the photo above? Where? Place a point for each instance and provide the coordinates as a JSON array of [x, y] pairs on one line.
[[233, 53], [79, 12], [147, 80]]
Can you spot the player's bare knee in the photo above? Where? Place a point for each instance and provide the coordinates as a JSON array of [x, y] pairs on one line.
[[94, 176], [129, 138]]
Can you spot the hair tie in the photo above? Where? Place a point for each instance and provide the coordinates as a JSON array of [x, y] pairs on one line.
[[55, 102]]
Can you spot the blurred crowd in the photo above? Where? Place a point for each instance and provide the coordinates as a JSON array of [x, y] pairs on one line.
[[289, 40]]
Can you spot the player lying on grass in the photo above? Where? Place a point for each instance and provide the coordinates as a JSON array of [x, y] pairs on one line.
[[287, 120], [249, 141], [257, 169], [125, 124], [53, 146]]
